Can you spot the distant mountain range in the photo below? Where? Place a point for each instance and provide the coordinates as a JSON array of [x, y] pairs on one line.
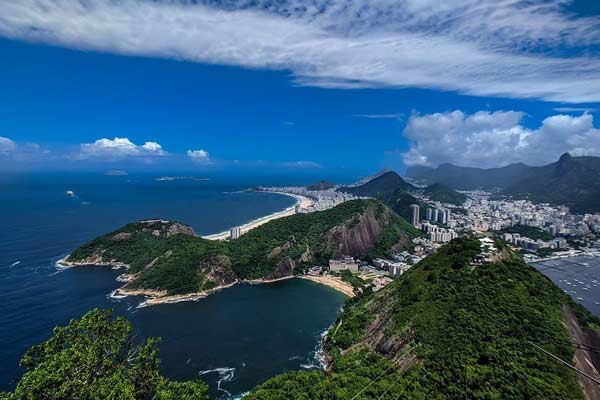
[[396, 193], [570, 181]]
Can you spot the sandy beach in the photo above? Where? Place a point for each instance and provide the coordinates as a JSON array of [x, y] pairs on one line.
[[333, 282], [303, 201]]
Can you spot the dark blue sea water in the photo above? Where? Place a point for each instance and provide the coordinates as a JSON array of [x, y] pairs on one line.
[[234, 339], [578, 276]]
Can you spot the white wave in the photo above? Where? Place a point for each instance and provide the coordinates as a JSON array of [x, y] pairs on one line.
[[121, 279], [114, 295], [317, 357], [143, 304], [238, 396], [14, 264], [226, 374]]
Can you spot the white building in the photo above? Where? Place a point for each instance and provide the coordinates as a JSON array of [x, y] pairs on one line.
[[344, 263], [235, 232]]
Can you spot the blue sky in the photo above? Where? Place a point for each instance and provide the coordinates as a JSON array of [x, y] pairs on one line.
[[334, 90]]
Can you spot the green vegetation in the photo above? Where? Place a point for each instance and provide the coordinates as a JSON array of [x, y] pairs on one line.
[[444, 194], [178, 263], [531, 232], [400, 201], [352, 279], [447, 330], [95, 358]]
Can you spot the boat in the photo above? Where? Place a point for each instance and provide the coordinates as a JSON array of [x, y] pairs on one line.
[[70, 193]]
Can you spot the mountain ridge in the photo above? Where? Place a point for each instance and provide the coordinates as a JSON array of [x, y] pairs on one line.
[[570, 181]]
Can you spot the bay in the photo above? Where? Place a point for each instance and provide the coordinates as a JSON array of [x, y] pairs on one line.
[[234, 339]]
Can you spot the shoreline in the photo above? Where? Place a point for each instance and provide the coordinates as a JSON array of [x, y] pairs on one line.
[[155, 297], [303, 201], [331, 282]]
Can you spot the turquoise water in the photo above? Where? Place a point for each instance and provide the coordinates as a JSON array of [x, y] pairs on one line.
[[234, 339]]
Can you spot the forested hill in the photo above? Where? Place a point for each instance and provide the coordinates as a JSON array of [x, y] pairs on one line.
[[381, 184], [444, 194], [168, 258], [448, 330]]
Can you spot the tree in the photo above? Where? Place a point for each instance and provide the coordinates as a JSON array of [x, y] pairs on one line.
[[95, 357]]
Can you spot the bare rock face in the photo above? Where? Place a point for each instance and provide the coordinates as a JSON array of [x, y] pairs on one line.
[[176, 228], [280, 249], [218, 271], [285, 268], [122, 236], [357, 236], [161, 228]]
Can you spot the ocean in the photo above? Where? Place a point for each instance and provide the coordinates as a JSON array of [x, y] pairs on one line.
[[578, 276], [234, 339]]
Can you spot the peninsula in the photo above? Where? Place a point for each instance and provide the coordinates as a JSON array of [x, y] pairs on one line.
[[166, 261]]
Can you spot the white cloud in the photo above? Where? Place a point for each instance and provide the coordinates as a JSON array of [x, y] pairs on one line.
[[6, 145], [492, 139], [119, 148], [513, 48], [199, 156]]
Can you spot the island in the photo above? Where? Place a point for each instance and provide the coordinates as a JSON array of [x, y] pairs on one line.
[[167, 262]]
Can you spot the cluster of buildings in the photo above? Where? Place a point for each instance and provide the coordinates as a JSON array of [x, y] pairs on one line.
[[441, 215], [517, 239], [394, 267], [322, 199], [438, 234], [484, 214], [437, 223]]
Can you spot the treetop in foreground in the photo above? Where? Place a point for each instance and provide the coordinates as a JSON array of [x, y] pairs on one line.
[[94, 357]]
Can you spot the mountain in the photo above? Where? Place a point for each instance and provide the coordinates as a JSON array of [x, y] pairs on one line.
[[448, 330], [469, 178], [444, 194], [400, 201], [166, 258], [570, 181], [323, 185], [386, 182]]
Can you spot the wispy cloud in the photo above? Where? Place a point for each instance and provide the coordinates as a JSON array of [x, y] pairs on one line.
[[301, 164], [492, 139], [575, 109], [7, 145], [512, 48], [379, 116], [20, 152]]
